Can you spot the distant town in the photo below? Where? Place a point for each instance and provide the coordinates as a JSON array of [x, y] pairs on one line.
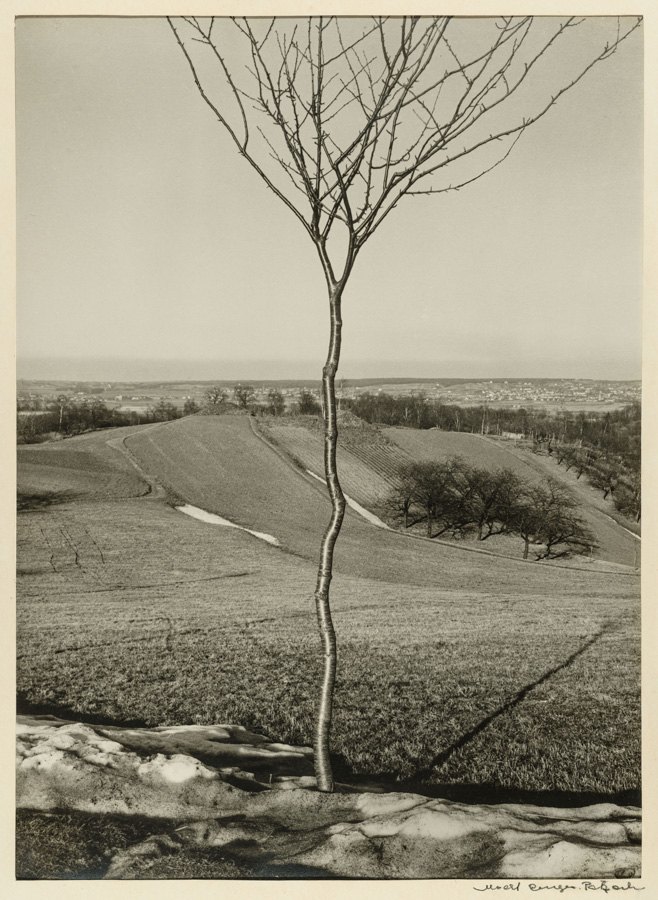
[[540, 393]]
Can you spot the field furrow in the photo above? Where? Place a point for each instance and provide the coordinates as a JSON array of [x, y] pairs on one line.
[[364, 482]]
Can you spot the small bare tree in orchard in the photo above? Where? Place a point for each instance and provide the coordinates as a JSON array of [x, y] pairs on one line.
[[214, 396], [244, 395], [343, 118]]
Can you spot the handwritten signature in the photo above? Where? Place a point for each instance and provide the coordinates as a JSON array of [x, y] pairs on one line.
[[603, 885]]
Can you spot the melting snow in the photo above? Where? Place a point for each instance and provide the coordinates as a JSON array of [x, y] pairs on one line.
[[362, 511], [212, 519]]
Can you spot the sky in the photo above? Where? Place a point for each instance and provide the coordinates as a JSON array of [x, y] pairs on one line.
[[147, 249]]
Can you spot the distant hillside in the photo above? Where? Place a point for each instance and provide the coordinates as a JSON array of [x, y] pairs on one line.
[[615, 543], [220, 464], [369, 457], [368, 462]]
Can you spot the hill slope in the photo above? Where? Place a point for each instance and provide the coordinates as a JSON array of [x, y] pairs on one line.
[[82, 467], [221, 465], [367, 462], [479, 675], [615, 543]]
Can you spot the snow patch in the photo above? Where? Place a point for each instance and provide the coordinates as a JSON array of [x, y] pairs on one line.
[[413, 836], [212, 519], [628, 530], [176, 769], [361, 510]]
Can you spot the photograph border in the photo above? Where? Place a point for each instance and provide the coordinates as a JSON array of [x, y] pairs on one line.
[[457, 889]]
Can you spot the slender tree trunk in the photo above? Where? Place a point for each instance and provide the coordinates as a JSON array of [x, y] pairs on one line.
[[323, 771], [526, 548]]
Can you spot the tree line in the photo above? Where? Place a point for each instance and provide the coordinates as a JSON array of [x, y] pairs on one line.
[[453, 497], [605, 447], [69, 416], [243, 396]]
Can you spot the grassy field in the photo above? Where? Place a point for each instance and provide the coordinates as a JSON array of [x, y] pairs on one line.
[[461, 674], [368, 459], [184, 622], [85, 467], [220, 465], [548, 466]]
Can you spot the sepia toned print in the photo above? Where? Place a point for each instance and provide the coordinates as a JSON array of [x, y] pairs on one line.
[[364, 612]]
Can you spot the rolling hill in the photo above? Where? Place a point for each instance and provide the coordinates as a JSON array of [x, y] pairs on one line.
[[473, 673], [368, 459], [220, 464]]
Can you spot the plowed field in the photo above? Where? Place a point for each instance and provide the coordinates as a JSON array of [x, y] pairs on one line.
[[366, 473]]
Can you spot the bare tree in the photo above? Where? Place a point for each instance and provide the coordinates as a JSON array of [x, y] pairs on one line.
[[276, 402], [435, 489], [628, 496], [214, 396], [244, 395], [605, 475], [399, 503], [307, 404], [342, 384], [491, 499], [547, 514], [557, 525], [62, 404], [525, 518], [343, 118]]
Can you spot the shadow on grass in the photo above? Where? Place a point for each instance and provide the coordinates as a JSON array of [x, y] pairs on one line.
[[445, 755], [27, 501], [66, 845], [418, 782], [492, 793], [26, 707]]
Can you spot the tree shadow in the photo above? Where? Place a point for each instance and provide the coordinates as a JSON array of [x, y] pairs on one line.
[[445, 755], [29, 501], [489, 792], [27, 707]]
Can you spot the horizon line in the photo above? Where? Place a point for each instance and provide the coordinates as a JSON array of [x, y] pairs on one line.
[[366, 378]]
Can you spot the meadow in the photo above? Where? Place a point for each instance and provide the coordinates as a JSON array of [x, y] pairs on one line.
[[460, 673]]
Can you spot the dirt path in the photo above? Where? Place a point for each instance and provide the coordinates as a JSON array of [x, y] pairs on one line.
[[157, 490]]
